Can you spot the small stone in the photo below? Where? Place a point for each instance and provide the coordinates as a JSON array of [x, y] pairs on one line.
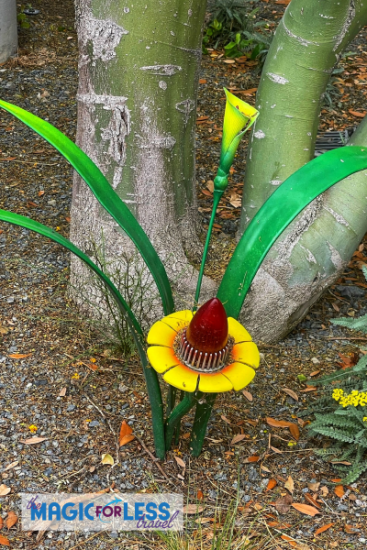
[[315, 361]]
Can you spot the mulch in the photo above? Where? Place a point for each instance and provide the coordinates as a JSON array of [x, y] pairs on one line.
[[60, 376]]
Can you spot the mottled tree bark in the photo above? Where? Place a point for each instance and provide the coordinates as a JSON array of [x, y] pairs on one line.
[[139, 63], [312, 252]]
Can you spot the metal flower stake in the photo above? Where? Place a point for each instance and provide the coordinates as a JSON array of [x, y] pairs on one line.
[[203, 351]]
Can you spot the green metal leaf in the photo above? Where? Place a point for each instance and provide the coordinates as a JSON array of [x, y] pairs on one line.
[[104, 193], [150, 374], [277, 213]]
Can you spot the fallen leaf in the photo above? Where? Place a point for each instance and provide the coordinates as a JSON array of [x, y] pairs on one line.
[[126, 439], [289, 484], [200, 495], [305, 509], [19, 355], [323, 529], [180, 462], [107, 459], [253, 458], [4, 490], [62, 392], [11, 519], [41, 193], [271, 484], [283, 504], [265, 469], [225, 419], [339, 491], [293, 428], [276, 450], [278, 423], [4, 541], [291, 393], [309, 388], [250, 91], [237, 438], [235, 200], [301, 422], [311, 500], [350, 529], [357, 113], [315, 372], [248, 395], [210, 185], [1, 522], [202, 81], [192, 509], [125, 430], [32, 440], [11, 466]]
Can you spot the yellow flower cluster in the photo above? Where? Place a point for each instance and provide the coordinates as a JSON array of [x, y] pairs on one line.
[[355, 398]]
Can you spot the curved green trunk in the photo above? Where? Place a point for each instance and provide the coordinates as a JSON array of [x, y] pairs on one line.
[[306, 46], [309, 256]]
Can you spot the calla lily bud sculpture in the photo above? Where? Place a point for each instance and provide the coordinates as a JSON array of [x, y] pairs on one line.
[[206, 351], [238, 118]]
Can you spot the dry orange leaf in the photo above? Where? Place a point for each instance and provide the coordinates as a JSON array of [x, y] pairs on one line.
[[291, 393], [248, 395], [253, 458], [180, 462], [11, 519], [126, 439], [33, 440], [4, 541], [357, 113], [202, 81], [41, 193], [312, 501], [293, 428], [62, 392], [339, 491], [309, 388], [19, 355], [289, 484], [278, 423], [4, 490], [1, 522], [125, 429], [271, 484], [237, 438], [225, 419], [192, 509], [323, 528], [305, 509]]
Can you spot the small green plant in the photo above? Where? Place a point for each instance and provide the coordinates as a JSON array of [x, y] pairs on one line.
[[22, 19], [341, 412]]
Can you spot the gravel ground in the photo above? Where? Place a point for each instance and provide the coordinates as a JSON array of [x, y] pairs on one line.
[[61, 377]]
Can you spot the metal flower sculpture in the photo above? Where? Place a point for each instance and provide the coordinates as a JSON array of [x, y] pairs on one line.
[[206, 351]]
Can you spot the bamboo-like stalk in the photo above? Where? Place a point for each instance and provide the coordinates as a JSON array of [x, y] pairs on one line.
[[202, 414], [178, 412]]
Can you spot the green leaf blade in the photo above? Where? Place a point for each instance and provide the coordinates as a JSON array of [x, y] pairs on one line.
[[295, 193], [104, 193]]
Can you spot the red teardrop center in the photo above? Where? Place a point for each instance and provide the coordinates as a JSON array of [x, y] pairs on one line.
[[208, 329]]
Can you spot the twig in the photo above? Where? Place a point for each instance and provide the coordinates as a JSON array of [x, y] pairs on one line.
[[345, 338], [80, 543], [109, 425], [153, 459]]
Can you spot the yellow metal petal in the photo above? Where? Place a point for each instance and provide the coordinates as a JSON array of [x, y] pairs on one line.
[[161, 335], [237, 331], [178, 320], [162, 358], [239, 374], [248, 353], [182, 377], [214, 383]]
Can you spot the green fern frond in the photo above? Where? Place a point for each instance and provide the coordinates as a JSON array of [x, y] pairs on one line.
[[356, 470], [359, 324], [342, 435]]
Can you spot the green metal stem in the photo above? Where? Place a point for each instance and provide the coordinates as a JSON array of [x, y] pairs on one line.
[[175, 417], [216, 198], [171, 399], [202, 415]]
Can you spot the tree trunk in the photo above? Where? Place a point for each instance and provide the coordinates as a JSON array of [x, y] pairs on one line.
[[313, 254], [306, 46], [316, 247], [139, 66], [8, 29]]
